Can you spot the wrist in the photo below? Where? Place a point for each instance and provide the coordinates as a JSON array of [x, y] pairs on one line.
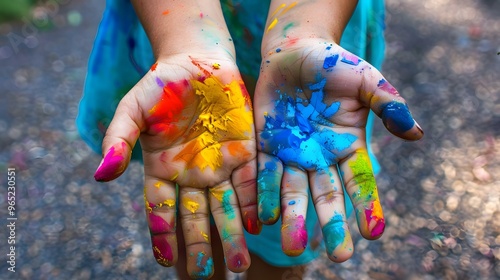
[[175, 27], [291, 21]]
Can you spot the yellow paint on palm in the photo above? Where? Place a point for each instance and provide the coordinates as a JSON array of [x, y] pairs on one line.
[[190, 205], [224, 114]]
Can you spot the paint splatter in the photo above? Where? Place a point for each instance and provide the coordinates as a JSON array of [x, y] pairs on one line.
[[397, 117], [162, 250], [190, 204], [268, 196], [153, 67], [280, 11], [367, 196], [168, 111], [206, 266], [113, 163], [296, 136], [166, 12], [334, 233], [216, 66], [330, 61], [225, 198], [387, 87], [294, 236], [224, 114], [350, 59]]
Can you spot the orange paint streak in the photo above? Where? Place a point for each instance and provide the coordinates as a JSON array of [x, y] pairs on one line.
[[166, 12], [153, 67], [237, 149]]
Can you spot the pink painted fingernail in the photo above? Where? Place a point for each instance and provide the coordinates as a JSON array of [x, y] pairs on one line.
[[112, 165], [162, 250]]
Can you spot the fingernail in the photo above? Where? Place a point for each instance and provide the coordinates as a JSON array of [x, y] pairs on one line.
[[111, 166], [419, 127]]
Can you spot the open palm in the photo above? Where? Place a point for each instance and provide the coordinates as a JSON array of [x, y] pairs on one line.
[[194, 120], [311, 106]]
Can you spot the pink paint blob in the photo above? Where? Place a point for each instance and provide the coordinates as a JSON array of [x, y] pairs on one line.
[[387, 87], [162, 250], [158, 225], [113, 164], [294, 236], [379, 227]]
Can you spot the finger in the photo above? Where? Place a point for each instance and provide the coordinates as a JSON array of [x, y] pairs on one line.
[[120, 139], [270, 170], [386, 102], [294, 198], [195, 221], [225, 210], [361, 186], [245, 185], [328, 198], [159, 197]]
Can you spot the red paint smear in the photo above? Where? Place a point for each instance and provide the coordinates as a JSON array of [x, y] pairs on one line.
[[291, 41], [112, 165], [297, 235], [253, 224], [161, 249], [379, 227], [158, 225], [167, 112], [153, 67]]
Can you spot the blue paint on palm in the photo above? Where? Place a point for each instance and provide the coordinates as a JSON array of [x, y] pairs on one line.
[[296, 134]]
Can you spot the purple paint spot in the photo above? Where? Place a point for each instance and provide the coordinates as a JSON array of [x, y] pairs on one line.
[[159, 82]]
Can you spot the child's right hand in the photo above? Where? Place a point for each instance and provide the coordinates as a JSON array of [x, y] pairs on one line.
[[194, 120]]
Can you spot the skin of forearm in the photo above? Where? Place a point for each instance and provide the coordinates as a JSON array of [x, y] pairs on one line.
[[306, 19], [175, 27]]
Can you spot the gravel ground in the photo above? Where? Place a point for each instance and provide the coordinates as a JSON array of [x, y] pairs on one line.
[[441, 195]]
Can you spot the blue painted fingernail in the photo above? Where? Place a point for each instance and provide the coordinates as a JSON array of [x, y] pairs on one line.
[[397, 117]]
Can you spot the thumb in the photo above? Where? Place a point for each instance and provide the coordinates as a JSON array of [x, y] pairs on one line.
[[120, 139], [385, 102]]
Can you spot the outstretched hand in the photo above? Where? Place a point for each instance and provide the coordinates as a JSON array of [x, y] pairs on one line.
[[194, 120], [311, 106]]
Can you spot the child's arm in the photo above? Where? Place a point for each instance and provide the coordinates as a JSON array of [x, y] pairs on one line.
[[311, 105], [193, 117]]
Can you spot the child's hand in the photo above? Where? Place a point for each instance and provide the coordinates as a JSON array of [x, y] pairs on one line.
[[194, 120], [311, 106]]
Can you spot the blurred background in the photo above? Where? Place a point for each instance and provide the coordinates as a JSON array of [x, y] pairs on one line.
[[441, 195]]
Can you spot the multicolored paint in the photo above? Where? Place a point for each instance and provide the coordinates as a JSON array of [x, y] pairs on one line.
[[367, 196], [268, 196], [294, 235], [206, 266], [280, 11], [224, 197], [113, 163], [224, 114]]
